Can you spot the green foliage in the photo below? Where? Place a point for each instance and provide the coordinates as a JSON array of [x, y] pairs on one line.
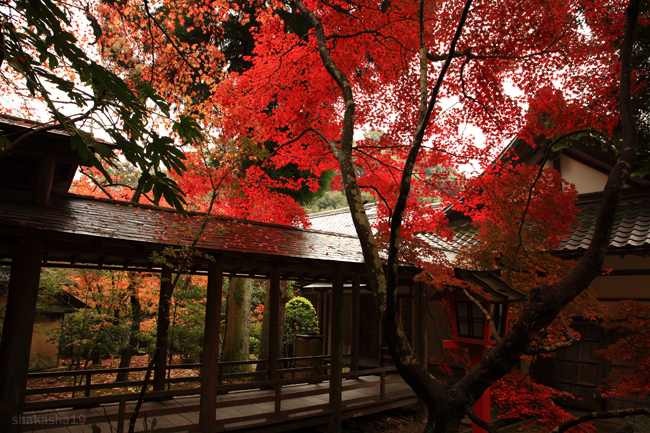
[[88, 335], [299, 318], [43, 55], [188, 321]]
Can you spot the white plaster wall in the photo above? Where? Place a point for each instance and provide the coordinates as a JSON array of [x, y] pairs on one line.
[[585, 178]]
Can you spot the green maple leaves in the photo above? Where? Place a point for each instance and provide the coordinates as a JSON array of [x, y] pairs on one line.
[[47, 58]]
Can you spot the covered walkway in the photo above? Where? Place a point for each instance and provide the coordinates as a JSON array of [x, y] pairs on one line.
[[273, 406], [41, 225]]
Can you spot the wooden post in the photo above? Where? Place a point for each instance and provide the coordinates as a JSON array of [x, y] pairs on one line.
[[87, 389], [274, 327], [482, 406], [356, 323], [17, 330], [421, 318], [162, 329], [209, 369], [324, 318], [122, 415], [44, 180], [336, 358]]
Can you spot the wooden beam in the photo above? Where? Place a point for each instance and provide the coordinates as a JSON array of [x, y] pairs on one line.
[[274, 326], [162, 329], [44, 180], [355, 338], [336, 361], [209, 371], [17, 330]]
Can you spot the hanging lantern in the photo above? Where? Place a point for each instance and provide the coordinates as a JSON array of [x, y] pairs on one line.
[[469, 323]]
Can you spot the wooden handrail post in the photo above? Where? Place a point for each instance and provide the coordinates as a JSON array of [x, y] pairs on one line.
[[122, 416], [278, 401], [88, 380], [382, 386]]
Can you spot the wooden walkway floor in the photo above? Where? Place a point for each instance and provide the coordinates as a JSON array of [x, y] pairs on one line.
[[299, 405]]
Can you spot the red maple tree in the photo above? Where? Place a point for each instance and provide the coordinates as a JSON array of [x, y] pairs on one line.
[[421, 75]]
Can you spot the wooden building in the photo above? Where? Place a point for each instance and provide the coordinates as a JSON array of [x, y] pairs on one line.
[[580, 369], [41, 224]]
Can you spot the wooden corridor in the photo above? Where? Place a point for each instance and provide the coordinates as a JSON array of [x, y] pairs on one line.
[[244, 408]]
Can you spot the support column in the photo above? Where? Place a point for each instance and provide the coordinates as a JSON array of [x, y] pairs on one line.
[[209, 368], [274, 326], [336, 359], [162, 329], [17, 330], [482, 406], [356, 323], [421, 322]]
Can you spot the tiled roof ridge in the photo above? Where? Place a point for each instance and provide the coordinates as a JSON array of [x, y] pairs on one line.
[[169, 210], [341, 210], [30, 124]]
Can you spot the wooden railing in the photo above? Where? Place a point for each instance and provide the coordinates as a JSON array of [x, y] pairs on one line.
[[86, 386], [277, 396]]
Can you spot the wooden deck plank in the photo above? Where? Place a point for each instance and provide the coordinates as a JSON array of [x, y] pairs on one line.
[[53, 429], [191, 417], [251, 408], [173, 420]]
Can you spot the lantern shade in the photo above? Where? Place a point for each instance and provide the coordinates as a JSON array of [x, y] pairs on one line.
[[469, 319], [490, 282], [469, 322]]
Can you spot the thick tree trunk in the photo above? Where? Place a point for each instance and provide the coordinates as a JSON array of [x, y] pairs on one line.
[[134, 332], [447, 404], [236, 346]]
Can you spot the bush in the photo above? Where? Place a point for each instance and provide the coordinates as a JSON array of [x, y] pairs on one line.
[[90, 336], [299, 318]]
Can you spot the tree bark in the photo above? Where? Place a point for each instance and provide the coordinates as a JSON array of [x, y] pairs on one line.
[[236, 346], [447, 404]]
